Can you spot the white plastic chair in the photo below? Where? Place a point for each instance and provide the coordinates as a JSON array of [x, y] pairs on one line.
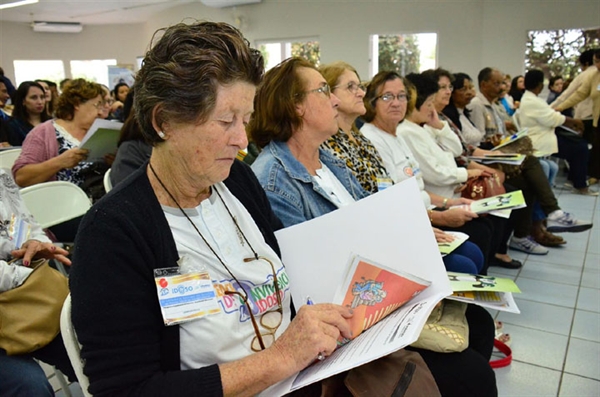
[[8, 157], [56, 202], [107, 183], [72, 345], [517, 119]]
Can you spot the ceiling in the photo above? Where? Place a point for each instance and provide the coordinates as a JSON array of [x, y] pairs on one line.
[[91, 12]]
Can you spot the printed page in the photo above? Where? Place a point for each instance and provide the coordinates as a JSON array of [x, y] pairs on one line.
[[459, 239], [508, 200], [510, 139], [391, 228], [476, 282], [502, 301], [101, 139]]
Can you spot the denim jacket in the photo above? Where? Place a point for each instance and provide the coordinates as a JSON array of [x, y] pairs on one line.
[[293, 195]]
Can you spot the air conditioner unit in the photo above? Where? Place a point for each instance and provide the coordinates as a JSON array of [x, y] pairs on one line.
[[57, 27], [228, 3]]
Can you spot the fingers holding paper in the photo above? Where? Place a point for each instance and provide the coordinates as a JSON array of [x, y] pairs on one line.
[[315, 329]]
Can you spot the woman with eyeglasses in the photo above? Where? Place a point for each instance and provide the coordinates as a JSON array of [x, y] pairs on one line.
[[193, 215], [29, 111], [349, 144], [51, 150], [295, 113]]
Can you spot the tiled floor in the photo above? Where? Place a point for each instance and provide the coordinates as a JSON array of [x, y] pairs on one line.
[[556, 338]]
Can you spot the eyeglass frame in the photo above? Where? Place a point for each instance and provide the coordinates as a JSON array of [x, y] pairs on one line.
[[324, 89], [449, 87], [257, 334], [352, 87], [400, 97]]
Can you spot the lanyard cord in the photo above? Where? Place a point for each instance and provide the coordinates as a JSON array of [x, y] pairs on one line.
[[200, 234]]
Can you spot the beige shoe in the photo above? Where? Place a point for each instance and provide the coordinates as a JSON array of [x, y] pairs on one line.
[[586, 192]]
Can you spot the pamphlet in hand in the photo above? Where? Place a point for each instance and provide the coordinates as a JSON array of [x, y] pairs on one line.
[[373, 291], [502, 158], [510, 139], [486, 291], [506, 201], [101, 139], [459, 238]]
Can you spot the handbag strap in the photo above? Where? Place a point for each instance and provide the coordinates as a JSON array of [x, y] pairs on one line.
[[505, 349]]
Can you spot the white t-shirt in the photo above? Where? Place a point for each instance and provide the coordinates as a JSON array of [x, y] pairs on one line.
[[333, 187], [227, 336]]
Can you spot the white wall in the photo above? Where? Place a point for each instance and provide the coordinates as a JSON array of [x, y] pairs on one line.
[[471, 33]]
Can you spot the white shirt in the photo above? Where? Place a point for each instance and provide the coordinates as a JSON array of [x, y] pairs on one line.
[[435, 151], [470, 134], [226, 336], [397, 157], [334, 188], [540, 120]]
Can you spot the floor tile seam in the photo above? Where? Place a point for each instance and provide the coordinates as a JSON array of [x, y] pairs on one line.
[[536, 365], [552, 304], [581, 376], [587, 310], [505, 322], [552, 281], [585, 340]]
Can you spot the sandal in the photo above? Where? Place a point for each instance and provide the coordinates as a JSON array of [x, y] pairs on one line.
[[504, 338], [499, 325]]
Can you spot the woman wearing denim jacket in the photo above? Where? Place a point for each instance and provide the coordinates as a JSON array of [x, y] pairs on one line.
[[295, 113]]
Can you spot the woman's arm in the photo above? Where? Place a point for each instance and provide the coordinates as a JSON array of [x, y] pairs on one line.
[[34, 173]]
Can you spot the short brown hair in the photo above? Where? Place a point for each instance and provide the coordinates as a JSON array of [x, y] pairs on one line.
[[78, 91], [183, 70], [275, 116], [373, 91]]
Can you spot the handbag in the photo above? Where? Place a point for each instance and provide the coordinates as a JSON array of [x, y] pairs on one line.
[[483, 186], [403, 373], [30, 313], [446, 329]]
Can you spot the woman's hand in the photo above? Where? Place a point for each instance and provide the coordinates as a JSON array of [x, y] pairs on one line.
[[314, 330], [456, 217], [458, 201], [441, 236], [72, 157], [434, 120], [116, 105], [34, 249], [474, 173]]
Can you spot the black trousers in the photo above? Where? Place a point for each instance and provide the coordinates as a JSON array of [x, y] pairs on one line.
[[575, 150], [467, 373]]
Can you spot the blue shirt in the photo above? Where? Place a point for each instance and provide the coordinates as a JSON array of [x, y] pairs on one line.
[[293, 194]]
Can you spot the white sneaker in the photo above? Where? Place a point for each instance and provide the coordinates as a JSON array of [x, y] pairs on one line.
[[561, 221], [527, 245]]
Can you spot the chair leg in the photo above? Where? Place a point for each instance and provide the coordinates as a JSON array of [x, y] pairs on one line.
[[63, 382]]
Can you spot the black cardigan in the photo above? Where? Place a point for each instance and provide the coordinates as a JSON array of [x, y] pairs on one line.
[[127, 348]]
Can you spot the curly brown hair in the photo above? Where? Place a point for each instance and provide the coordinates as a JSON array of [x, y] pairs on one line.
[[183, 70], [78, 91]]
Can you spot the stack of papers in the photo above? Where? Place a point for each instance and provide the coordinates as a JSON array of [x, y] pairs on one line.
[[486, 291], [503, 158], [510, 139]]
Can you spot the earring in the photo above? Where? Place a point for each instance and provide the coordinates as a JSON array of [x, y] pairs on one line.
[[161, 134]]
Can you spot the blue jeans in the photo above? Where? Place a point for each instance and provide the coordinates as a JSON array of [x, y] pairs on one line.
[[22, 376], [467, 258], [550, 169]]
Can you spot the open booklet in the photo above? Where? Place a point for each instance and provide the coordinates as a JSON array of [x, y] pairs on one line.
[[459, 239], [487, 291], [374, 291], [392, 229], [502, 158], [496, 204], [510, 139], [101, 139]]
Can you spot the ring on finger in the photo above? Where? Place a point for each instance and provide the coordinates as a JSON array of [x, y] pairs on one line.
[[320, 357]]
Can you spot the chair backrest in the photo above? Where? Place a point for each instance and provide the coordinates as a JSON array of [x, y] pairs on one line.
[[56, 202], [517, 119], [72, 345], [8, 157], [107, 183]]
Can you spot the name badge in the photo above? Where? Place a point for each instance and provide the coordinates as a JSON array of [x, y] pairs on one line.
[[383, 182], [185, 297]]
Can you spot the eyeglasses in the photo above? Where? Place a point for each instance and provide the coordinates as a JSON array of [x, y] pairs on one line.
[[108, 102], [448, 87], [388, 97], [98, 105], [353, 87], [270, 320], [324, 89]]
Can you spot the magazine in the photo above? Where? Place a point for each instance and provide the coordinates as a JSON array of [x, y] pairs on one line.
[[510, 139], [502, 158], [101, 139], [373, 291], [486, 291], [506, 201], [459, 238]]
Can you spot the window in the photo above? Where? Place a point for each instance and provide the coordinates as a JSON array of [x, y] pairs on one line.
[[276, 51], [93, 70], [39, 70], [556, 52], [403, 53]]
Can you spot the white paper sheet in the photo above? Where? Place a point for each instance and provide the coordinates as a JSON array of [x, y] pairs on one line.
[[391, 228]]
